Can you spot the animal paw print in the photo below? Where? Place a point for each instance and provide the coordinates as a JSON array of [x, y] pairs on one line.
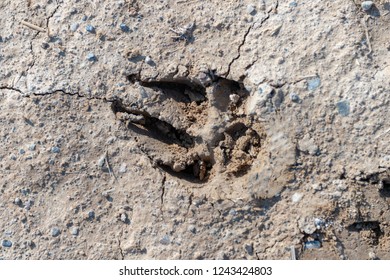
[[191, 130]]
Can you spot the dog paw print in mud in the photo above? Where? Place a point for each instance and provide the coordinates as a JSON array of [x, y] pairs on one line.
[[191, 130]]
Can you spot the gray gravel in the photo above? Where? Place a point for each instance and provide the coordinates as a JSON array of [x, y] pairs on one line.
[[6, 243], [55, 231]]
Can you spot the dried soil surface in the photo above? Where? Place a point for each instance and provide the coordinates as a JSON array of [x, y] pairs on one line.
[[188, 129]]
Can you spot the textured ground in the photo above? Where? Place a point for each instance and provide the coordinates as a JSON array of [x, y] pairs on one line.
[[194, 129]]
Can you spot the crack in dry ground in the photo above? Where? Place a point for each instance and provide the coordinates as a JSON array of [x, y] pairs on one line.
[[244, 41]]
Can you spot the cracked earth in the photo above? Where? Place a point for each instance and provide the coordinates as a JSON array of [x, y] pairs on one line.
[[194, 130]]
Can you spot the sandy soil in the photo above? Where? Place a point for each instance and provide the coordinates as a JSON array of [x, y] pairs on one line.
[[188, 129]]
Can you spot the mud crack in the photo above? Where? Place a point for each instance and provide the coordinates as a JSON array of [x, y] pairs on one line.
[[244, 41], [239, 50]]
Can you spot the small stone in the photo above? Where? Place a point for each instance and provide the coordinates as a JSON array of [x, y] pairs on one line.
[[293, 4], [91, 57], [101, 161], [22, 151], [18, 201], [319, 222], [343, 107], [32, 147], [75, 231], [294, 97], [106, 194], [367, 5], [251, 10], [124, 27], [74, 27], [372, 255], [55, 150], [296, 197], [91, 214], [314, 83], [192, 229], [124, 217], [13, 157], [148, 60], [6, 243], [123, 168], [90, 28], [317, 187], [313, 244], [45, 45], [249, 249], [165, 240], [234, 98], [28, 204], [232, 212], [55, 231], [25, 191]]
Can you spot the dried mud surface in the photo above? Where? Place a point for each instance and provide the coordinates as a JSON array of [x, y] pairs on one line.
[[194, 129]]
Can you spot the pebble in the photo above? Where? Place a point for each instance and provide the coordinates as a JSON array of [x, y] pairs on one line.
[[55, 231], [45, 45], [74, 27], [319, 222], [314, 83], [251, 10], [90, 28], [6, 243], [313, 244], [123, 217], [75, 231], [91, 57], [28, 205], [192, 228], [249, 249], [366, 5], [32, 147], [296, 197], [165, 240], [234, 98], [18, 201], [343, 107], [91, 214], [294, 97], [372, 255], [123, 168], [13, 157], [55, 150], [317, 187], [293, 4], [25, 191], [124, 27], [148, 60], [22, 151], [101, 161]]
